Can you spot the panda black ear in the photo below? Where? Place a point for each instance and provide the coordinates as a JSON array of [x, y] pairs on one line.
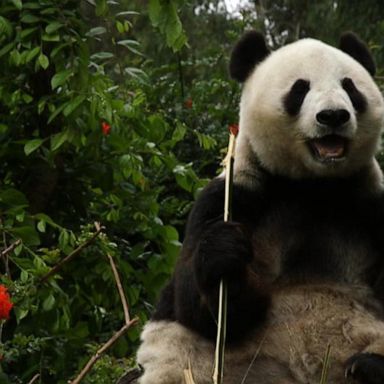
[[353, 46], [250, 50]]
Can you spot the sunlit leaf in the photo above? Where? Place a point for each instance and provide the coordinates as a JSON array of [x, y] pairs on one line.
[[32, 145], [43, 61], [60, 78], [58, 140]]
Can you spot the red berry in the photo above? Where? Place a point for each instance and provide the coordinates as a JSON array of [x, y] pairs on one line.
[[106, 128]]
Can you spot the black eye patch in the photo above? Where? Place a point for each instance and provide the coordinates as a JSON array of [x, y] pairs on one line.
[[358, 100], [295, 97]]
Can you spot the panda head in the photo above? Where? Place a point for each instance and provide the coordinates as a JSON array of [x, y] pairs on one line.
[[308, 109]]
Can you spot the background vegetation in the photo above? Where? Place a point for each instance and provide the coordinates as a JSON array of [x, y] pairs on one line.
[[116, 112]]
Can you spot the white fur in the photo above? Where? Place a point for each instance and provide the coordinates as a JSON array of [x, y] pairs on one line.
[[279, 140], [289, 351]]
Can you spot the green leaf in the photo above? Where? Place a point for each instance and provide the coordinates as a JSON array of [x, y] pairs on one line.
[[53, 27], [58, 140], [102, 55], [127, 13], [18, 4], [27, 98], [49, 303], [96, 31], [73, 104], [13, 197], [205, 141], [48, 37], [47, 219], [179, 133], [32, 53], [136, 72], [43, 61], [18, 249], [60, 78], [101, 7], [27, 234], [29, 19], [3, 129], [155, 12], [32, 145], [41, 225], [15, 57], [164, 16], [24, 276], [20, 313], [6, 48], [5, 27], [26, 32], [55, 113], [120, 27], [20, 217], [130, 44], [57, 49]]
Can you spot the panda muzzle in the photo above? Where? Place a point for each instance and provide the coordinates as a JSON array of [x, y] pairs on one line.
[[329, 148]]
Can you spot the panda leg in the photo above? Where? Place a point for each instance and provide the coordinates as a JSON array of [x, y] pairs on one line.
[[365, 368]]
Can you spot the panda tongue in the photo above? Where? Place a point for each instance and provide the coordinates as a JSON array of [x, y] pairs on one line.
[[331, 146]]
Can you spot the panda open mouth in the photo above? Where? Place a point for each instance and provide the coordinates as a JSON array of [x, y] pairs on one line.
[[329, 148]]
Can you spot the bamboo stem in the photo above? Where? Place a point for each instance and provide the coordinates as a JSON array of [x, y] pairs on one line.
[[324, 372], [218, 373]]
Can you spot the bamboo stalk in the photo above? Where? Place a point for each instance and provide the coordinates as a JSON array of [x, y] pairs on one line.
[[188, 377], [218, 373], [324, 372]]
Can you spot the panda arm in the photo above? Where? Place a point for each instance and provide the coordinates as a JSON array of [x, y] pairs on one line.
[[213, 250]]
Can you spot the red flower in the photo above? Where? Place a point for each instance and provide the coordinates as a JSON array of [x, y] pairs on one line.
[[5, 303], [106, 128], [188, 103], [234, 129]]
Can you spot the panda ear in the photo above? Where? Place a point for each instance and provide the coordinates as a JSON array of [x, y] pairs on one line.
[[250, 50], [353, 46]]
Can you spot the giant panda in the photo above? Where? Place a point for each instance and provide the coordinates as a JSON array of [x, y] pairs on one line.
[[304, 255]]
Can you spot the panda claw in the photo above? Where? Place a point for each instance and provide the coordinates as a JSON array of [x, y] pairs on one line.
[[349, 371], [365, 368]]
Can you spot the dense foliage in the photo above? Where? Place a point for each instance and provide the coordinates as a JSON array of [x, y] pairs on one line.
[[116, 113]]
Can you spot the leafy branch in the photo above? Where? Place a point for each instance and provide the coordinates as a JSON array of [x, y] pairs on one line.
[[72, 255], [128, 324]]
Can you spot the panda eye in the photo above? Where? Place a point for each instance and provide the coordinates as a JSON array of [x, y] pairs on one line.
[[295, 97], [358, 100]]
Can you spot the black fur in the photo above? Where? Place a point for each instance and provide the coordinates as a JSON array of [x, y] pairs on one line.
[[132, 376], [305, 216], [359, 101], [353, 46], [250, 50], [333, 117], [295, 97], [365, 368]]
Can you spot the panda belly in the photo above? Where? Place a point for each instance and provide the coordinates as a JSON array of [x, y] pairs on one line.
[[289, 349]]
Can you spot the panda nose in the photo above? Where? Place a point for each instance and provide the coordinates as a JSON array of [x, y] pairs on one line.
[[333, 117]]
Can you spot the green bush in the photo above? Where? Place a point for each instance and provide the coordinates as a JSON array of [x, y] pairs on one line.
[[82, 142]]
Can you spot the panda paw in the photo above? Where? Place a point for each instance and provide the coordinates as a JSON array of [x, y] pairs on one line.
[[365, 368], [223, 252]]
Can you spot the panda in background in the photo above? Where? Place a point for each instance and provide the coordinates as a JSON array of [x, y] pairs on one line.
[[304, 254]]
